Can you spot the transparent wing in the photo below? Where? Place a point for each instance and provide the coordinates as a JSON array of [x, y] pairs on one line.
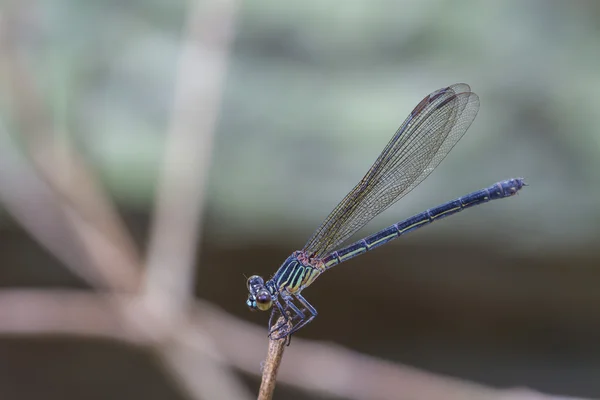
[[431, 130]]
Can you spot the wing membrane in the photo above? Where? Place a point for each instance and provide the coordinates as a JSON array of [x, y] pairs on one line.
[[418, 146]]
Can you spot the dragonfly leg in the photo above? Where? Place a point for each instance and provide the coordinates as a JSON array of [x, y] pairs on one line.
[[289, 305], [299, 315], [304, 321], [272, 321]]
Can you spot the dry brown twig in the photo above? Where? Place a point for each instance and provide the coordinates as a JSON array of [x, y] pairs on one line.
[[269, 375], [272, 363]]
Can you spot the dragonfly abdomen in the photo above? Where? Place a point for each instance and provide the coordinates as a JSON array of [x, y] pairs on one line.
[[498, 190]]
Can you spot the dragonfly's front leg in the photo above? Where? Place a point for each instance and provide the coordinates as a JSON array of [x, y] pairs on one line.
[[283, 313], [303, 320], [289, 305]]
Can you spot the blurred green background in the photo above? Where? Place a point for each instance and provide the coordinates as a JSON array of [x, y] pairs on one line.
[[504, 294]]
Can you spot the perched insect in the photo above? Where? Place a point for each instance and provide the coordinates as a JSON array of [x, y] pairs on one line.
[[431, 130]]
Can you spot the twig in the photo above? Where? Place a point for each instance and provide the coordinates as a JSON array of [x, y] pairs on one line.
[[169, 280], [271, 366]]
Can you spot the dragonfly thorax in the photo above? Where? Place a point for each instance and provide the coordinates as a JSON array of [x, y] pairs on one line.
[[296, 273]]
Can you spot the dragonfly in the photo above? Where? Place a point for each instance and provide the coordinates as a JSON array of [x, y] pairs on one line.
[[424, 139]]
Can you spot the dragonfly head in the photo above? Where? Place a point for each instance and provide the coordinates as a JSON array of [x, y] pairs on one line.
[[259, 298]]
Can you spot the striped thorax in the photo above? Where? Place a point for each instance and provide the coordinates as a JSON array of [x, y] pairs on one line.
[[296, 273]]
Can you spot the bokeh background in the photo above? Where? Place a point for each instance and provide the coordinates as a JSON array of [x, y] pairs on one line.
[[296, 100]]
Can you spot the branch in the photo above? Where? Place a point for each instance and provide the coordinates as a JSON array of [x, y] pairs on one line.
[[181, 196], [274, 357], [71, 313], [105, 250], [37, 208], [189, 352], [331, 370], [224, 339]]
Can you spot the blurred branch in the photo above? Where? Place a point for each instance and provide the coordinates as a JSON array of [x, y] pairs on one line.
[[216, 337], [170, 261], [170, 276], [38, 208], [350, 374], [87, 210], [85, 205], [190, 354], [48, 312]]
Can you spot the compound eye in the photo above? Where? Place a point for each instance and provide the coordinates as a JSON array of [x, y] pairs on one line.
[[254, 280], [263, 300]]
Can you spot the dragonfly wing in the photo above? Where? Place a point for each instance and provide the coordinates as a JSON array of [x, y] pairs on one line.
[[424, 139]]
